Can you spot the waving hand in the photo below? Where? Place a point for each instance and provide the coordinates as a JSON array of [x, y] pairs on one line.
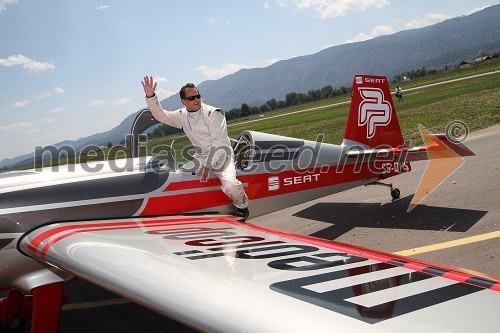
[[149, 86]]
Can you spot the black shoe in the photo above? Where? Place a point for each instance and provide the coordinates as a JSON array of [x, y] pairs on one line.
[[242, 212]]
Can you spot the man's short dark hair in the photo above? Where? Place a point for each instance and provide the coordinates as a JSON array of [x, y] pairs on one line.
[[182, 93]]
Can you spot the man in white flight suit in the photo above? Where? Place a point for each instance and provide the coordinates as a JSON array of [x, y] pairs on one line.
[[205, 126]]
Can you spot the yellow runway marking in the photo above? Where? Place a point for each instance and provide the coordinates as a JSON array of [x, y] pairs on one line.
[[445, 245]]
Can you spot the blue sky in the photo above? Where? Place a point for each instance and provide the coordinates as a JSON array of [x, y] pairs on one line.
[[69, 69]]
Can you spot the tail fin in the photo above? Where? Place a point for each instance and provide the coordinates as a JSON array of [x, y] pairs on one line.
[[372, 119]]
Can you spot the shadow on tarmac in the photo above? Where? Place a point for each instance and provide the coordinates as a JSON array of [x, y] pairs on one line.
[[347, 216]]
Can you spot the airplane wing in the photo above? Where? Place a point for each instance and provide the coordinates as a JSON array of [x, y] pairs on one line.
[[214, 273]]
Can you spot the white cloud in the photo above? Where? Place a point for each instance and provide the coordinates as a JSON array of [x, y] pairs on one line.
[[376, 31], [59, 90], [161, 92], [380, 30], [102, 8], [160, 79], [23, 126], [4, 3], [97, 103], [272, 61], [215, 73], [210, 20], [359, 38], [164, 93], [29, 64], [477, 9], [31, 131], [43, 95], [428, 19], [21, 104], [58, 109], [266, 5], [333, 8], [48, 120], [122, 101]]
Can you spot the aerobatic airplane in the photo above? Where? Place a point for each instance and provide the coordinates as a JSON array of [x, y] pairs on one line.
[[169, 242]]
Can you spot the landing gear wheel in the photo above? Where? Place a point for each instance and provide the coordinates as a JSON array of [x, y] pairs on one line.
[[395, 193]]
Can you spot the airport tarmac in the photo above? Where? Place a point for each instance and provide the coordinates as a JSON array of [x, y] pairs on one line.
[[458, 224], [464, 205]]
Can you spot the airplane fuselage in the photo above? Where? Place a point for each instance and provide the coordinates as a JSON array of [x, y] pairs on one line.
[[277, 172]]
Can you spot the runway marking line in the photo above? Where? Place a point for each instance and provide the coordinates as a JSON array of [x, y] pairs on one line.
[[453, 243]]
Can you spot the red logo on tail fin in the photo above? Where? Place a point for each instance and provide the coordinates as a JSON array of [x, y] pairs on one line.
[[374, 110], [372, 119]]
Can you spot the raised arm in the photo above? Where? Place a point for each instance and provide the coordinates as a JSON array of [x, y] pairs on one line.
[[170, 118]]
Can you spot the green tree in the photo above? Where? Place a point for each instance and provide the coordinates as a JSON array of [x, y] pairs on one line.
[[327, 92], [272, 104], [245, 110], [265, 108], [314, 95], [233, 114], [291, 99]]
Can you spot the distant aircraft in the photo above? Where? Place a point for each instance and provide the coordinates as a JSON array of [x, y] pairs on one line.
[[169, 242]]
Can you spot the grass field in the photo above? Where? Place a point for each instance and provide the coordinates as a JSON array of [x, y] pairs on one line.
[[475, 101]]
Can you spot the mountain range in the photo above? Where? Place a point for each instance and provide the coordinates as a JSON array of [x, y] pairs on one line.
[[443, 44]]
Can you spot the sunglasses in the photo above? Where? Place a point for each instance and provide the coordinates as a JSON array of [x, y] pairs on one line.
[[192, 98]]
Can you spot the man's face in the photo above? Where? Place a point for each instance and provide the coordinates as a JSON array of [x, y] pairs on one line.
[[191, 105]]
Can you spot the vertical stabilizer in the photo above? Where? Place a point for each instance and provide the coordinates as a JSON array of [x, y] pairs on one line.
[[372, 119]]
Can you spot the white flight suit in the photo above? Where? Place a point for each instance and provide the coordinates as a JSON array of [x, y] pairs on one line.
[[207, 131]]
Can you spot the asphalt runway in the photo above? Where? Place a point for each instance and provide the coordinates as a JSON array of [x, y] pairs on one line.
[[458, 224], [466, 204]]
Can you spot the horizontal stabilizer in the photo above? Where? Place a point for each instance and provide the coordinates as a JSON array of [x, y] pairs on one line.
[[438, 144]]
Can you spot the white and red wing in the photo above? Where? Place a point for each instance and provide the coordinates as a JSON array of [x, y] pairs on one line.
[[216, 274]]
